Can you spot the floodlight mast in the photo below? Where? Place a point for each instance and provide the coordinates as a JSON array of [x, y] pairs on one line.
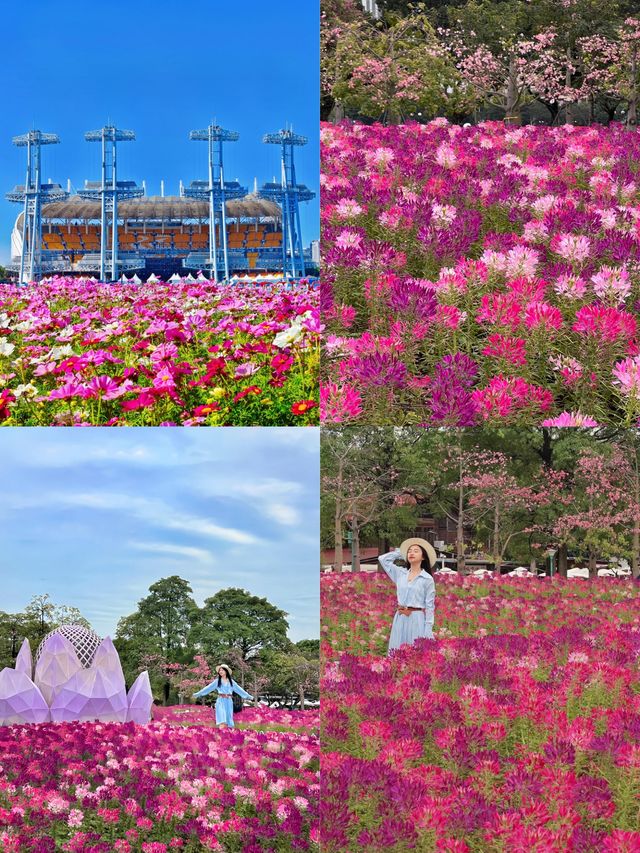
[[217, 192], [109, 192], [289, 194], [31, 195]]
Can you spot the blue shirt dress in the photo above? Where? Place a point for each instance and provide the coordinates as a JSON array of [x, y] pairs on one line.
[[420, 592], [224, 702]]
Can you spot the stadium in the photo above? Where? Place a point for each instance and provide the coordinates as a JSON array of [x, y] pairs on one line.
[[111, 228]]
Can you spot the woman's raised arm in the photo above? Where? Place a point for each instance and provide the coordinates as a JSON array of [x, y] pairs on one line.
[[387, 563], [241, 691], [206, 690], [430, 602]]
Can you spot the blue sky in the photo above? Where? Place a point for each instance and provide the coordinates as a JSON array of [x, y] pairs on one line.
[[94, 516], [252, 66]]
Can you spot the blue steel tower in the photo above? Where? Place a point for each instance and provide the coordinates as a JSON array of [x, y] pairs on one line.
[[289, 194], [109, 190], [33, 195], [217, 191]]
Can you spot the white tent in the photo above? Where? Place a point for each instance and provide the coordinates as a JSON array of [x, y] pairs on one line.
[[135, 279], [124, 279], [152, 279], [202, 277], [175, 277], [579, 572], [189, 278]]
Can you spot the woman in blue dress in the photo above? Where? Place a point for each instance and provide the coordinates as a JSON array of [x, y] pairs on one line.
[[225, 687], [416, 591]]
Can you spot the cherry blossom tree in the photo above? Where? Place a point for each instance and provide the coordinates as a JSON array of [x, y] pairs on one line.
[[495, 493], [396, 69], [602, 510]]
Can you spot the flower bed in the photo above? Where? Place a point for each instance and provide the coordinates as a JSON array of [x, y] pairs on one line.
[[501, 742], [103, 787], [481, 274], [252, 716], [79, 352], [357, 610]]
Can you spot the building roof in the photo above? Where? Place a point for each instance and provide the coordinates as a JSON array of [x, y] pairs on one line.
[[160, 207]]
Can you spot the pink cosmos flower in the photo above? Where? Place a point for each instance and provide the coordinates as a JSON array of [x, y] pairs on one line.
[[505, 396], [542, 314], [571, 419], [450, 316], [574, 248], [521, 261], [349, 240], [512, 350], [608, 324], [339, 403], [611, 283], [627, 376], [246, 369], [570, 286], [348, 208]]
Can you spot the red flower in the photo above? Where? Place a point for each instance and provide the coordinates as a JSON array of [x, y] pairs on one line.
[[303, 406], [252, 389], [206, 409]]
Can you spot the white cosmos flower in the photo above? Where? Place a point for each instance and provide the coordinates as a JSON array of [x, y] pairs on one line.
[[6, 348]]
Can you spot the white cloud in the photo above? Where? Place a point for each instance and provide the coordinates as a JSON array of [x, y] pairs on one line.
[[162, 548], [155, 513]]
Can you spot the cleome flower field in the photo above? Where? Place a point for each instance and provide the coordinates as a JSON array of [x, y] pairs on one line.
[[103, 787], [78, 352], [516, 729], [485, 274]]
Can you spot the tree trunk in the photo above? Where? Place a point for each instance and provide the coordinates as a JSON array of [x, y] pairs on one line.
[[563, 560], [301, 692], [460, 555], [497, 555], [568, 110], [355, 557], [592, 564], [632, 115], [512, 111], [546, 451], [635, 544], [533, 566], [338, 557], [337, 113], [165, 693]]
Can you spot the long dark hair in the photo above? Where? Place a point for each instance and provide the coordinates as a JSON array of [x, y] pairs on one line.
[[425, 565], [228, 676]]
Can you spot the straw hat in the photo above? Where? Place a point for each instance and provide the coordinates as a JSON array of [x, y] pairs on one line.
[[428, 547], [225, 666]]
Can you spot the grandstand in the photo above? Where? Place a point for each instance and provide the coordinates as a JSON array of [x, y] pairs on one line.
[[214, 225], [159, 234]]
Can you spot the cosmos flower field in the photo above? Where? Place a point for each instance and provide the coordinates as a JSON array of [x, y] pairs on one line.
[[517, 728], [82, 353], [485, 274], [104, 787]]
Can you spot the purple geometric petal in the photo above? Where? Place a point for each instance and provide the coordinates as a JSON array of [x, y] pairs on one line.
[[140, 700], [24, 661], [20, 699], [58, 662], [91, 694]]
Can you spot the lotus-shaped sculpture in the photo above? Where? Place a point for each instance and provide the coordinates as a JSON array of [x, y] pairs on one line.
[[68, 682]]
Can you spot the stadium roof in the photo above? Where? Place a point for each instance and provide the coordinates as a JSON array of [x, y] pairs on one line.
[[159, 207]]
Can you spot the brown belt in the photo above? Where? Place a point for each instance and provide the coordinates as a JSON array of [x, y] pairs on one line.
[[225, 695], [407, 611]]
